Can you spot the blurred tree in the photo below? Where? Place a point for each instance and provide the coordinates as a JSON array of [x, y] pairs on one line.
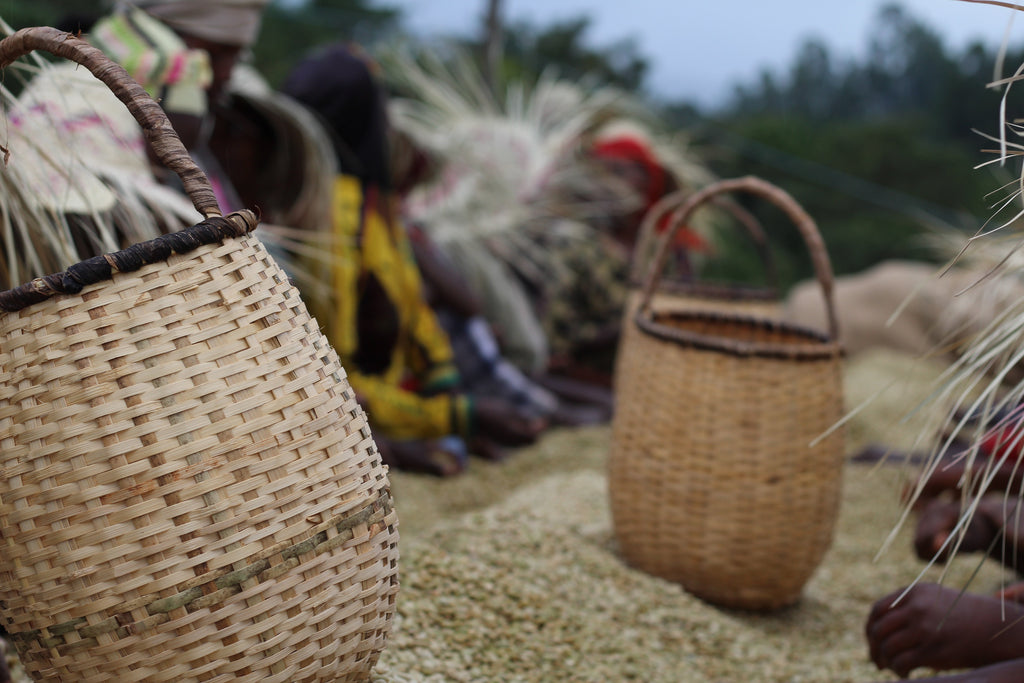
[[68, 15], [875, 149], [562, 46], [813, 75], [907, 64], [494, 39], [291, 28], [907, 69]]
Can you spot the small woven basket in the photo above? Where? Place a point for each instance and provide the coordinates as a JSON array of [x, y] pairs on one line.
[[685, 293], [725, 463], [690, 293], [190, 491]]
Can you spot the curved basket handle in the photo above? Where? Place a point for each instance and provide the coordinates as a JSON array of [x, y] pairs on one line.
[[783, 200], [646, 233], [159, 133]]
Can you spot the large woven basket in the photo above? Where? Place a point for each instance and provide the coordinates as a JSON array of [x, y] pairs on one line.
[[190, 491], [725, 466]]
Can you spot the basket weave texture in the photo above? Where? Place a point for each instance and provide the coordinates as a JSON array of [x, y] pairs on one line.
[[189, 489], [720, 477]]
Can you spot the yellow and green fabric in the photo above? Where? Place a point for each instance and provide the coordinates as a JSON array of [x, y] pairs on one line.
[[397, 356]]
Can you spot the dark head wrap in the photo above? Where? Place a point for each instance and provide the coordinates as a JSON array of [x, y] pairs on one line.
[[338, 85]]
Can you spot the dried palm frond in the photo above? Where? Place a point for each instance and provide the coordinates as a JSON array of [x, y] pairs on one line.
[[515, 166], [508, 161], [985, 378], [65, 195]]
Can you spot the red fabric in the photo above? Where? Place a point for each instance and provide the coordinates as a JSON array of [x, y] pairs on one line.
[[629, 148], [685, 237], [1000, 441], [1006, 437], [632, 149]]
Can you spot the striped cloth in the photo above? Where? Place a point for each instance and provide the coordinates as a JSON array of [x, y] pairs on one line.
[[157, 58]]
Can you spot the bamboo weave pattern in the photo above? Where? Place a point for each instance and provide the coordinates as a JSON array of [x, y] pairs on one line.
[[189, 490], [163, 431], [724, 475]]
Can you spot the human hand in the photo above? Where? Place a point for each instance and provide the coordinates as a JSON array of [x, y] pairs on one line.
[[1013, 592], [941, 628], [944, 479]]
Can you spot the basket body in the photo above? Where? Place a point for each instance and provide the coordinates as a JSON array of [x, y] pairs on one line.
[[190, 491], [712, 479]]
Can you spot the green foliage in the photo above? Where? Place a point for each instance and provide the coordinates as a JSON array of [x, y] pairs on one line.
[[291, 30], [563, 46], [872, 186], [877, 151], [69, 15]]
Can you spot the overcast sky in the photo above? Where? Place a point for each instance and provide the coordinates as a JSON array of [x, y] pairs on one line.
[[697, 50]]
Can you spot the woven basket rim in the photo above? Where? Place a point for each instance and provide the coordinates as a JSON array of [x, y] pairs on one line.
[[820, 346], [214, 229]]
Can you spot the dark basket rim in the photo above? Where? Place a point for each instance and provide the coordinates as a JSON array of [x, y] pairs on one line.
[[211, 230], [819, 345]]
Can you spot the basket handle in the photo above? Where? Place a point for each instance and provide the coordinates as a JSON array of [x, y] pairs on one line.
[[159, 133], [783, 200], [646, 233]]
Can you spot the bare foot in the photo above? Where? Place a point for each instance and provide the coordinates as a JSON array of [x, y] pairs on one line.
[[427, 457], [500, 422], [578, 415], [943, 628], [486, 449]]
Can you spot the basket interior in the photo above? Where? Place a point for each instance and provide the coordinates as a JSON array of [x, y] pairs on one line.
[[738, 334]]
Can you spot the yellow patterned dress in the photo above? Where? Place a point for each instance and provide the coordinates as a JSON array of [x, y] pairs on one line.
[[397, 356]]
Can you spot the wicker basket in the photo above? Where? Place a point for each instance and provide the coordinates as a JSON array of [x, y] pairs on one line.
[[190, 491], [685, 293], [725, 466], [690, 293]]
